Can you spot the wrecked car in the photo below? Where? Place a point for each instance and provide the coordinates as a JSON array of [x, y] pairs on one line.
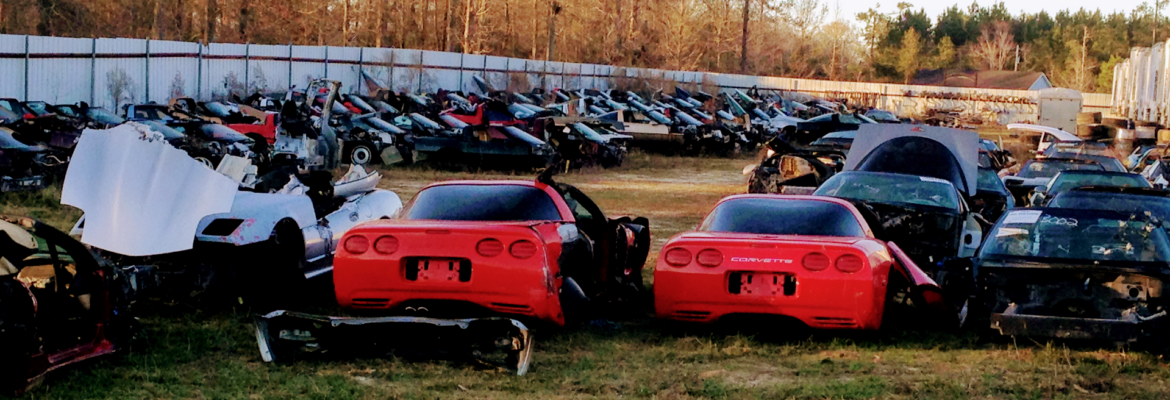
[[91, 117], [1066, 274], [785, 166], [282, 230], [917, 180], [1038, 172], [1067, 180], [585, 141], [471, 265], [58, 134], [60, 303], [991, 198], [816, 127], [22, 167], [757, 255]]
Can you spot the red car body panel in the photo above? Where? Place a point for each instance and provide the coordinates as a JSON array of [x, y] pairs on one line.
[[267, 130], [374, 281], [825, 299]]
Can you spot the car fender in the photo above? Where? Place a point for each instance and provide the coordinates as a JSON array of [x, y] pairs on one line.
[[258, 214]]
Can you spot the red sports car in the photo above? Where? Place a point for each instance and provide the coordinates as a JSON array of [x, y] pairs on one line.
[[811, 258], [485, 256]]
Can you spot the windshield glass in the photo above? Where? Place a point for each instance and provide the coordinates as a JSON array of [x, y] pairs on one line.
[[1049, 168], [1157, 206], [1072, 179], [782, 217], [881, 114], [1090, 148], [891, 189], [483, 203], [1077, 235], [7, 115], [67, 110], [12, 106], [167, 132], [217, 109], [38, 108], [989, 181], [101, 115]]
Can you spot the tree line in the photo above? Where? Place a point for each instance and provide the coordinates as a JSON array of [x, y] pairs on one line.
[[794, 38]]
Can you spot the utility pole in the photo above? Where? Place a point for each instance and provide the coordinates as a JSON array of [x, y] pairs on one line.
[[743, 53]]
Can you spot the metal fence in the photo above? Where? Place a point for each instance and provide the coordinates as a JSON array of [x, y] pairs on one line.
[[112, 72]]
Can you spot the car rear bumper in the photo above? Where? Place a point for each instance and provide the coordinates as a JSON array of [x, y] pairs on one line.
[[281, 335]]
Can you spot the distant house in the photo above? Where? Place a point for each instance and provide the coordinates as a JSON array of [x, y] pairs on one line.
[[1011, 80]]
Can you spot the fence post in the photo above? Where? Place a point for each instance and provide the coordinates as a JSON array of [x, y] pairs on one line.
[[199, 72], [148, 70], [93, 75], [361, 59], [290, 61], [390, 79], [326, 63], [461, 57], [247, 56], [25, 67]]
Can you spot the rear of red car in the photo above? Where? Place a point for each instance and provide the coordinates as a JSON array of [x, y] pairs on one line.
[[443, 267], [825, 282]]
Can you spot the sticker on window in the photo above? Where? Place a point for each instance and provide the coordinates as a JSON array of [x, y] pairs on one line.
[[1022, 217], [935, 180]]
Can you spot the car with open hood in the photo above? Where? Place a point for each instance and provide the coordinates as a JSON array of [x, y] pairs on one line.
[[492, 257], [917, 180], [1066, 273], [757, 255]]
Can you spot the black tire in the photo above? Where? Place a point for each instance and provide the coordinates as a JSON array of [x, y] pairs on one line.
[[273, 272]]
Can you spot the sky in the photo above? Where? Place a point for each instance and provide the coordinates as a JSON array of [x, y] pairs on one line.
[[850, 8]]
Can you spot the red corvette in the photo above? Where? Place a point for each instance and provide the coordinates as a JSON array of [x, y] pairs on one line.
[[811, 258], [485, 256]]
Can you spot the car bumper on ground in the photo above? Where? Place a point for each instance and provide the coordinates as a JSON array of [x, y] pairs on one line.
[[1076, 328]]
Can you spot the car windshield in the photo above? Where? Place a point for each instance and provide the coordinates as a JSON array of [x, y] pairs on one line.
[[988, 145], [1072, 179], [218, 109], [1049, 168], [38, 108], [782, 217], [891, 189], [67, 110], [989, 181], [1089, 148], [881, 114], [151, 112], [7, 115], [841, 135], [12, 106], [483, 203], [102, 115], [1072, 234], [1107, 162], [167, 132]]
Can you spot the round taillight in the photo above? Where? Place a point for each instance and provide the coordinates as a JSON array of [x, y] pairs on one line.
[[849, 263], [489, 247], [678, 257], [815, 262], [357, 244], [522, 249], [709, 258], [386, 245]]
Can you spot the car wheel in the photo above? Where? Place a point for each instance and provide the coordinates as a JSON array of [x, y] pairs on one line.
[[361, 154], [205, 161], [274, 270]]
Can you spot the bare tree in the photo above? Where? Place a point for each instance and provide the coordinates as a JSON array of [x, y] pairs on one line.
[[743, 53], [995, 46]]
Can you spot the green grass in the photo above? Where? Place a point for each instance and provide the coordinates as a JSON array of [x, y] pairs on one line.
[[186, 352]]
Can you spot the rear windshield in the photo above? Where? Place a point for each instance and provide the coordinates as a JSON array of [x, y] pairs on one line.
[[483, 203], [782, 217], [1068, 180], [989, 181], [891, 189]]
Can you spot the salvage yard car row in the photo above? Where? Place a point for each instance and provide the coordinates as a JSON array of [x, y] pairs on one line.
[[901, 220]]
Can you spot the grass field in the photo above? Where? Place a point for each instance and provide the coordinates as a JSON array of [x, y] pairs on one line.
[[187, 352]]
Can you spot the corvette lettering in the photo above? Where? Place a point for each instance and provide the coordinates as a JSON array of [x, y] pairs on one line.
[[761, 260]]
